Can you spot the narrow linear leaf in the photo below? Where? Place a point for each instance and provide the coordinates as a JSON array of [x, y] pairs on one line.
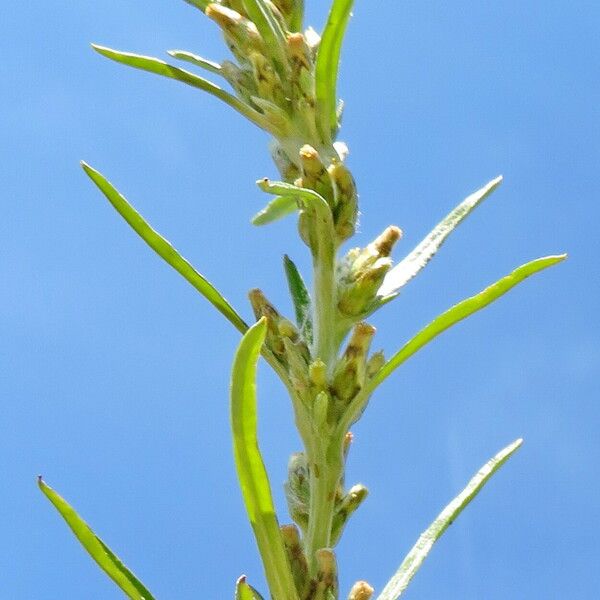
[[96, 548], [300, 298], [159, 67], [462, 310], [406, 269], [244, 591], [282, 188], [198, 61], [277, 209], [269, 30], [413, 561], [164, 249], [326, 68], [252, 474], [201, 4]]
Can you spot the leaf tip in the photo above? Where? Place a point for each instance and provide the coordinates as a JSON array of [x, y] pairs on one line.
[[263, 184]]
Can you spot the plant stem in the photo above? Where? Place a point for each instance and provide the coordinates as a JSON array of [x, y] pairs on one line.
[[324, 317], [326, 470]]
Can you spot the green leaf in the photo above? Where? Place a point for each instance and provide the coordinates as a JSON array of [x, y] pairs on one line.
[[326, 68], [405, 270], [243, 591], [414, 559], [462, 310], [276, 209], [164, 249], [309, 197], [252, 474], [198, 61], [96, 548], [201, 4], [159, 67], [270, 31], [300, 298]]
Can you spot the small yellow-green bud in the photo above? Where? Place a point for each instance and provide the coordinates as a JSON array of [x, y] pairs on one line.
[[267, 81], [288, 329], [345, 215], [318, 373], [375, 364], [350, 370], [361, 272], [315, 175], [361, 590], [345, 508], [320, 410]]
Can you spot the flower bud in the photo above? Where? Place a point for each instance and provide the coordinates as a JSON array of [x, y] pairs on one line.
[[350, 370], [361, 590], [297, 489], [361, 272], [315, 175], [345, 215], [296, 557], [327, 579], [263, 308], [267, 81], [345, 508], [375, 364], [241, 34], [318, 374]]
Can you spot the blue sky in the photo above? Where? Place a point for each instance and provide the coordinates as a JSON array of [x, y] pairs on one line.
[[115, 372]]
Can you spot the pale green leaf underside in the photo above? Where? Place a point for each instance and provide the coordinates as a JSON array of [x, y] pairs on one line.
[[159, 67], [198, 61], [328, 60], [252, 474], [413, 561], [406, 269], [96, 548], [278, 208], [164, 249], [462, 310]]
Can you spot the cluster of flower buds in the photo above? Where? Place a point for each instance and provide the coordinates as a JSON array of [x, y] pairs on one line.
[[275, 68], [336, 185], [361, 272]]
